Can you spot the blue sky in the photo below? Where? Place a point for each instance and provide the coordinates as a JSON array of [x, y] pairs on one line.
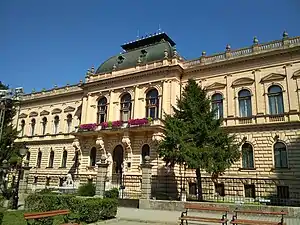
[[43, 43]]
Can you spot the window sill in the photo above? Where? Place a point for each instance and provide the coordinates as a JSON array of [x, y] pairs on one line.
[[49, 167], [247, 169], [62, 167]]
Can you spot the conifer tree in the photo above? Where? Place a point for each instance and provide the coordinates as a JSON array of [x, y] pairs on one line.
[[193, 136]]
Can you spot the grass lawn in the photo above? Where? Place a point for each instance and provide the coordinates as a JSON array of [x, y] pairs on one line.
[[17, 218]]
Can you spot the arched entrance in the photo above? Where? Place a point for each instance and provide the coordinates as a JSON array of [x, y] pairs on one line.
[[118, 159]]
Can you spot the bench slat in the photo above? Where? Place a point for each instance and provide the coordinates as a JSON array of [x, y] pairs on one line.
[[200, 207], [261, 212], [203, 219], [38, 215], [255, 222]]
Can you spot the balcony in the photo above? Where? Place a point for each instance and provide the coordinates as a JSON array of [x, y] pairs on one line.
[[117, 126]]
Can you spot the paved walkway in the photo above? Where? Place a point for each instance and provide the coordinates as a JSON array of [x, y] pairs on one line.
[[126, 216]]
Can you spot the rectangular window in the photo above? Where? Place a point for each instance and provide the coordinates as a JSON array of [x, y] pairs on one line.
[[249, 190], [220, 189], [283, 192], [35, 181]]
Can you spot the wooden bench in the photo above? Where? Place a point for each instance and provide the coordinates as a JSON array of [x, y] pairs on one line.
[[236, 220], [40, 215], [190, 206]]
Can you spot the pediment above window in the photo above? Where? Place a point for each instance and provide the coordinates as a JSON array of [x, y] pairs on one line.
[[272, 77], [215, 86], [69, 109], [56, 111], [242, 81], [22, 115], [296, 74], [44, 113], [32, 114]]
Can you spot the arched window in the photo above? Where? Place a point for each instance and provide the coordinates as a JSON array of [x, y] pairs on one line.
[[64, 159], [39, 160], [247, 156], [69, 123], [51, 159], [217, 105], [33, 123], [275, 100], [102, 110], [28, 156], [152, 104], [44, 125], [145, 152], [22, 127], [245, 103], [280, 155], [56, 124], [93, 155], [125, 107]]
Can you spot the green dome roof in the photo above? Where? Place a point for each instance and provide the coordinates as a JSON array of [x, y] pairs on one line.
[[142, 51]]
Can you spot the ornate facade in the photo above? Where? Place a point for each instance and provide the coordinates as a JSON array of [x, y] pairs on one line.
[[115, 112]]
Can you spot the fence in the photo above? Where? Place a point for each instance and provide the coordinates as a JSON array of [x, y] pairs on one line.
[[129, 185], [230, 190]]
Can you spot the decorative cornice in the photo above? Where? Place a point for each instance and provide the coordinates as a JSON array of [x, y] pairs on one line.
[[296, 74], [44, 113], [272, 77], [242, 81], [215, 86], [22, 116], [33, 114], [56, 111], [69, 109]]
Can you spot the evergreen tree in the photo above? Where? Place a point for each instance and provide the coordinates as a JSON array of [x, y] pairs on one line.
[[193, 136], [8, 151]]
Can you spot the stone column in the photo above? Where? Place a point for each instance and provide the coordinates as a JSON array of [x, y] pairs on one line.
[[144, 202], [101, 176]]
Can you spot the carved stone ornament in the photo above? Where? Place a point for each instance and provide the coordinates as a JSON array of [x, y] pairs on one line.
[[100, 143], [76, 144], [127, 144], [157, 137]]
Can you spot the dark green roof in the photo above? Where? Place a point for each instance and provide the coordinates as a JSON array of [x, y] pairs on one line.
[[142, 51]]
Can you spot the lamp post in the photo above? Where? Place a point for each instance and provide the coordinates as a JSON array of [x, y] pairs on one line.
[[23, 151]]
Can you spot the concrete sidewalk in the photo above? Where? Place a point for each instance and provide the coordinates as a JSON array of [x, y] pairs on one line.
[[141, 216]]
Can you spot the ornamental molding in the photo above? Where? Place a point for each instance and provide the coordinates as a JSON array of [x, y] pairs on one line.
[[296, 74], [215, 85], [242, 81], [33, 114], [22, 115], [69, 109], [56, 111], [100, 143], [44, 113], [273, 77]]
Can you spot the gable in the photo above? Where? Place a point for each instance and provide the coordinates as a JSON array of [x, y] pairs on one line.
[[272, 77], [215, 85], [56, 111], [32, 114], [296, 74], [69, 109], [44, 113], [242, 81], [22, 115]]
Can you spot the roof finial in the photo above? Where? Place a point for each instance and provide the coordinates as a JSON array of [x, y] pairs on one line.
[[138, 34], [159, 28]]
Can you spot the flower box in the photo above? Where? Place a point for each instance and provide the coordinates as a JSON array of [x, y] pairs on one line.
[[88, 127]]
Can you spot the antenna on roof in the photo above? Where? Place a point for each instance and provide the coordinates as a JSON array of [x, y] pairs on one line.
[[159, 29], [138, 33]]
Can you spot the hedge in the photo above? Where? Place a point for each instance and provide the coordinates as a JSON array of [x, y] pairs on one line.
[[87, 210], [88, 189], [112, 193]]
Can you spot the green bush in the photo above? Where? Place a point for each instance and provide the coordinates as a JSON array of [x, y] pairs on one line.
[[112, 193], [1, 215], [88, 189], [83, 209], [95, 209]]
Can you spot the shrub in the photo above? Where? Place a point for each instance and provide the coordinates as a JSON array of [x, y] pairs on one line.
[[95, 209], [112, 193], [83, 209], [1, 215], [88, 189]]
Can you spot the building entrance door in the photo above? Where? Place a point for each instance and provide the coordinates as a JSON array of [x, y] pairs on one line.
[[118, 159]]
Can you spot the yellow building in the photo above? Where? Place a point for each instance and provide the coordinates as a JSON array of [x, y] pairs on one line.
[[115, 112]]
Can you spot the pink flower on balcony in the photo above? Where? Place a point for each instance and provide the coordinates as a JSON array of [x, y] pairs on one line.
[[104, 125], [138, 122], [117, 123], [89, 126]]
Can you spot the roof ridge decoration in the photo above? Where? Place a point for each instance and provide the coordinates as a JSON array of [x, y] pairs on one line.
[[272, 77]]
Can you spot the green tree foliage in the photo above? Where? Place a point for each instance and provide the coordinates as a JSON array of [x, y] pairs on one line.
[[193, 136]]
